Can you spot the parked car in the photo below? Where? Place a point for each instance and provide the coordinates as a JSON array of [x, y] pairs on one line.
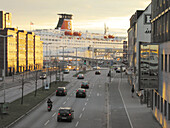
[[97, 72], [43, 76], [61, 91], [80, 76], [66, 71], [65, 113], [81, 93], [85, 84]]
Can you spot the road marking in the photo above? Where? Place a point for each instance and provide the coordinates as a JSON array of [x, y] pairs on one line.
[[46, 122], [89, 95], [87, 99], [90, 92], [85, 103], [68, 98], [98, 94], [54, 114], [80, 115], [64, 102], [125, 105], [77, 123], [83, 109], [99, 86]]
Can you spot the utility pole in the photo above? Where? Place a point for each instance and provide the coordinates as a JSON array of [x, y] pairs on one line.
[[22, 97], [76, 58], [36, 83]]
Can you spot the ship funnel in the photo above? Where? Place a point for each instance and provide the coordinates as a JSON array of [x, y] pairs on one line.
[[65, 22]]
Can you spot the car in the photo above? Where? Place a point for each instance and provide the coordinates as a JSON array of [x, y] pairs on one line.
[[109, 73], [66, 71], [96, 67], [118, 70], [74, 69], [80, 76], [85, 84], [61, 91], [65, 113], [124, 69], [81, 93], [43, 76], [97, 72]]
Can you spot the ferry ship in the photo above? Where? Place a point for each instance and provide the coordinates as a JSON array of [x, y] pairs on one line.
[[64, 41]]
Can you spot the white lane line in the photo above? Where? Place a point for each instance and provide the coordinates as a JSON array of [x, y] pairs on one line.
[[83, 109], [80, 115], [87, 99], [99, 86], [68, 98], [47, 122], [89, 95], [77, 123], [54, 114], [125, 105], [85, 103], [98, 94], [90, 92], [64, 102]]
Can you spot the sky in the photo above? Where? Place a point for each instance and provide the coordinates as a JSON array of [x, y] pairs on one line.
[[88, 15]]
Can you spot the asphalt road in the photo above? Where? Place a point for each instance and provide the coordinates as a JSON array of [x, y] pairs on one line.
[[89, 112], [106, 106]]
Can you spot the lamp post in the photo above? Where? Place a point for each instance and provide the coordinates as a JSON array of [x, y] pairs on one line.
[[48, 62], [4, 70], [63, 62], [63, 51], [76, 58]]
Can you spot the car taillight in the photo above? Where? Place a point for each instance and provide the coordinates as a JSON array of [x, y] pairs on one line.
[[56, 90], [84, 91], [64, 90], [87, 85], [58, 113], [77, 90], [69, 114]]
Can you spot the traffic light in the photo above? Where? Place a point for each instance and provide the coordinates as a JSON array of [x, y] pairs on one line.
[[85, 62]]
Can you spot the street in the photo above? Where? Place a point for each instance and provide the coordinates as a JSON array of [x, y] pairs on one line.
[[104, 107]]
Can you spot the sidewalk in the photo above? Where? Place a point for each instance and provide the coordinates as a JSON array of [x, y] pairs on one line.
[[138, 115]]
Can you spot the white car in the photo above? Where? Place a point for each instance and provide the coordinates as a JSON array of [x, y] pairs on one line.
[[95, 68]]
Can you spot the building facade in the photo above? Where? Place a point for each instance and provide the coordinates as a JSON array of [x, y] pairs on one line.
[[23, 50], [161, 34], [139, 31]]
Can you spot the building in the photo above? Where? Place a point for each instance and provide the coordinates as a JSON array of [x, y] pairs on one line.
[[10, 51], [23, 50], [5, 20], [139, 31], [161, 34]]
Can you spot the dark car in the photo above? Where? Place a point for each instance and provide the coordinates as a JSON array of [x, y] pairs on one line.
[[43, 76], [66, 71], [97, 72], [65, 113], [61, 91], [85, 84], [81, 93], [80, 76]]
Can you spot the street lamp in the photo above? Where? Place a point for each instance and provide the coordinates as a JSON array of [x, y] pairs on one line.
[[48, 61], [76, 58], [4, 71], [63, 51], [63, 62]]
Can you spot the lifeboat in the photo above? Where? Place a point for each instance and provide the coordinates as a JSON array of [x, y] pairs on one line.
[[68, 33]]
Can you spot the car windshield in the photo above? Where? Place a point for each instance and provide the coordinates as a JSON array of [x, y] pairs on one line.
[[64, 111]]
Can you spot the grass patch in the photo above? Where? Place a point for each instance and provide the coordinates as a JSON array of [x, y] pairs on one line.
[[16, 109]]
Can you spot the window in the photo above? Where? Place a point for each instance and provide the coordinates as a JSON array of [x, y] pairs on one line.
[[155, 99], [165, 108], [161, 104], [165, 62], [162, 62], [169, 63], [158, 101]]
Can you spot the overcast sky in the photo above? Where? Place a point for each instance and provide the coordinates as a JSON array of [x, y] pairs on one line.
[[87, 14]]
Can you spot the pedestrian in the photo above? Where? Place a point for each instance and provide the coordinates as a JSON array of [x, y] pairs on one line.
[[132, 90]]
